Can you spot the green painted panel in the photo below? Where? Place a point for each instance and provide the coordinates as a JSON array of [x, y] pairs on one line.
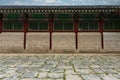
[[68, 26], [93, 26], [33, 26], [18, 26], [8, 26], [114, 17], [37, 26], [38, 16], [64, 16], [88, 26], [88, 16], [83, 26], [63, 26], [13, 16], [58, 26], [43, 26], [13, 26], [112, 25]]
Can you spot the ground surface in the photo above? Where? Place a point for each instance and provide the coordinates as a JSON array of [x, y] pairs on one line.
[[59, 67]]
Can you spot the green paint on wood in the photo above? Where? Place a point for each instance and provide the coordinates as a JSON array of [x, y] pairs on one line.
[[58, 26], [88, 16], [64, 16], [63, 26], [13, 26], [38, 16], [112, 25], [37, 26], [13, 16]]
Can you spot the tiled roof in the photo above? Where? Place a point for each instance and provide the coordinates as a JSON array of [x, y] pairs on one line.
[[56, 9]]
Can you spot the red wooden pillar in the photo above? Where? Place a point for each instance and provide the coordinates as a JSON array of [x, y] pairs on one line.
[[0, 25], [25, 28], [76, 29], [101, 31], [1, 17], [50, 28]]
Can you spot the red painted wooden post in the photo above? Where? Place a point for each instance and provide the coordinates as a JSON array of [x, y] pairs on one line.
[[1, 16], [50, 28], [25, 29], [0, 25], [76, 30], [101, 31]]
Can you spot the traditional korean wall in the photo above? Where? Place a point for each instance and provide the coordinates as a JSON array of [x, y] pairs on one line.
[[89, 41], [11, 42], [112, 41], [63, 41], [36, 42]]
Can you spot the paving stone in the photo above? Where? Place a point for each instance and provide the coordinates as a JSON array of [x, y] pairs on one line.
[[29, 79], [55, 75], [108, 77], [44, 70], [73, 77], [84, 71], [110, 71], [42, 75], [2, 75], [56, 70], [117, 75], [90, 77], [70, 72], [59, 67], [95, 66], [10, 79], [98, 70], [29, 74]]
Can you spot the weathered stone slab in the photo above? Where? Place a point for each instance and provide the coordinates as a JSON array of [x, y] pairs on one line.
[[42, 75], [73, 77], [108, 77], [90, 77], [55, 75], [29, 75], [84, 71]]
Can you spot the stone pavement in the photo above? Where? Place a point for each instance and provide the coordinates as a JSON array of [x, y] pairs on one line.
[[59, 67]]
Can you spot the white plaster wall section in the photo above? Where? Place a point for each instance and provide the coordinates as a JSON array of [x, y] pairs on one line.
[[112, 40], [11, 41], [63, 41], [89, 41], [37, 40]]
